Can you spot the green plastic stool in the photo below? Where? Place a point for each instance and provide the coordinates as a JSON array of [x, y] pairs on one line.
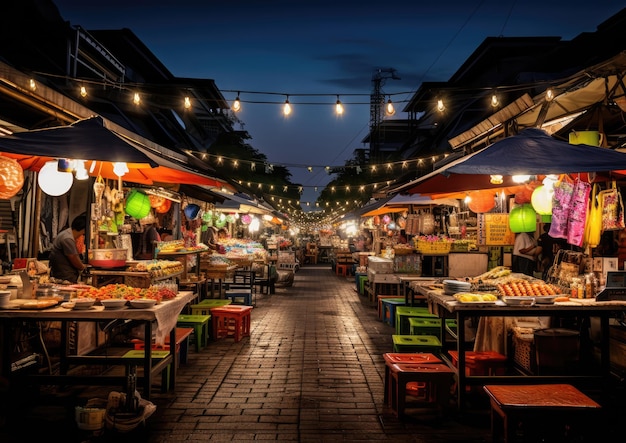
[[139, 355], [416, 343], [403, 313], [425, 326], [200, 325]]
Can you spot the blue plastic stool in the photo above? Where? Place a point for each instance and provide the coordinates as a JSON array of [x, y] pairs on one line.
[[389, 310]]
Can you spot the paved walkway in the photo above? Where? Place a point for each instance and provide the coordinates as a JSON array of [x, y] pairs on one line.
[[312, 371]]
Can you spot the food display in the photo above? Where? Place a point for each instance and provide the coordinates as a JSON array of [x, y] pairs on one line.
[[122, 291], [157, 268], [475, 297], [521, 287]]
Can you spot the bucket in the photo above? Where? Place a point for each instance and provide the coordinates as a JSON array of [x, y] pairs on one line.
[[557, 351], [5, 296], [591, 138]]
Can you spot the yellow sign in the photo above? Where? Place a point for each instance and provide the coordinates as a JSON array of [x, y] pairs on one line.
[[496, 230]]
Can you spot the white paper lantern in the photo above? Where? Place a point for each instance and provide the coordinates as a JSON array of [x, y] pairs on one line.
[[53, 182]]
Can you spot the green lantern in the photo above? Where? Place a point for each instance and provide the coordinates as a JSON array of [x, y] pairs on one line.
[[137, 204], [523, 218]]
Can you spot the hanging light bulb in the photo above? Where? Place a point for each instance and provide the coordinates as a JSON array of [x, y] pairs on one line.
[[520, 178], [136, 98], [549, 95], [494, 101], [120, 168], [339, 107], [83, 92], [80, 172], [389, 109], [440, 106], [287, 107], [33, 84], [187, 103], [52, 181], [237, 104], [496, 179]]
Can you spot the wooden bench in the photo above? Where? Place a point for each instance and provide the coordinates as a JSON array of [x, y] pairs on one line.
[[557, 409]]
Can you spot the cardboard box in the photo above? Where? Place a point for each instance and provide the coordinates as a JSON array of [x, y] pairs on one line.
[[380, 265]]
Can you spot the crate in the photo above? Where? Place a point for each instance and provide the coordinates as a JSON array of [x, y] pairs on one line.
[[380, 265], [524, 348]]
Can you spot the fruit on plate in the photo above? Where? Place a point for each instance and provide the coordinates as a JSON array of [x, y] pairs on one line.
[[526, 288], [474, 297]]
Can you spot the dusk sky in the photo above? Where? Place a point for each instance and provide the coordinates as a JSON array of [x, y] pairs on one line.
[[328, 48]]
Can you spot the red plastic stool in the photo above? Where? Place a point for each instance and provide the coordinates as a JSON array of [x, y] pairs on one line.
[[342, 269], [415, 389], [480, 363], [231, 321], [438, 379]]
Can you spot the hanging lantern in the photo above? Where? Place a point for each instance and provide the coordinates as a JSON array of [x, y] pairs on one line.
[[230, 218], [386, 219], [165, 207], [246, 219], [392, 226], [137, 204], [523, 218], [11, 177], [192, 211], [542, 200], [53, 182], [481, 201], [376, 220], [220, 222], [156, 201], [524, 194]]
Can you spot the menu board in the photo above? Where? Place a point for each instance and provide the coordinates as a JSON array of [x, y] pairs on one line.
[[493, 230]]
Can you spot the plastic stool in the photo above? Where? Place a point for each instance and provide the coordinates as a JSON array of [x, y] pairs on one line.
[[200, 325], [360, 279], [437, 379], [343, 269], [231, 321], [405, 312], [182, 344], [413, 388], [390, 306], [204, 307], [416, 343], [239, 296], [380, 303], [425, 326]]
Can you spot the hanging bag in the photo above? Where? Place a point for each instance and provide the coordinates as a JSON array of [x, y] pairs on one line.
[[563, 190], [593, 227], [612, 209], [579, 204]]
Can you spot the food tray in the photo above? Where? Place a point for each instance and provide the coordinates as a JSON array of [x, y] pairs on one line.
[[519, 301]]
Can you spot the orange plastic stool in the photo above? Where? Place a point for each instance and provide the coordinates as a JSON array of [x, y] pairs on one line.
[[415, 389], [342, 269], [481, 363], [438, 379], [231, 321]]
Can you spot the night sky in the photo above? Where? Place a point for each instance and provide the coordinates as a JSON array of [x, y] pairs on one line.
[[328, 48]]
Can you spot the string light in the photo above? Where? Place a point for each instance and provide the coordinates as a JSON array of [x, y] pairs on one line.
[[440, 106], [136, 98], [237, 104], [187, 103], [549, 95], [287, 108], [339, 107], [495, 102], [83, 91], [389, 109], [32, 84]]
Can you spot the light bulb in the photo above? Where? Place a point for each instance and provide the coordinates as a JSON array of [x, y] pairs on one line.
[[187, 103], [339, 107], [83, 92], [520, 178], [136, 98], [440, 106], [53, 182], [390, 110], [549, 95], [287, 108], [80, 172], [120, 168], [237, 104], [494, 101]]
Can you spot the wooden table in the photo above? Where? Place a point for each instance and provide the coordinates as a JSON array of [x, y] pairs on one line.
[[445, 306], [184, 258], [218, 273], [164, 315]]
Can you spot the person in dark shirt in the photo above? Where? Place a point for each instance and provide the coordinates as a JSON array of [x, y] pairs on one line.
[[65, 260]]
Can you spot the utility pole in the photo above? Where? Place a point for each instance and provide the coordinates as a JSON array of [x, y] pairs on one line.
[[377, 107]]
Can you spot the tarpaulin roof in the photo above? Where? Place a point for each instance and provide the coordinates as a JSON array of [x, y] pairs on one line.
[[532, 152], [90, 140], [400, 203]]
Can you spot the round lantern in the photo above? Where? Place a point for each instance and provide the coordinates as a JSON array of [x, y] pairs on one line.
[[156, 201], [524, 194], [542, 199], [192, 211], [167, 204], [392, 226], [220, 222], [53, 182], [246, 219], [523, 218], [230, 218], [11, 177], [386, 219], [376, 220], [481, 201], [137, 204]]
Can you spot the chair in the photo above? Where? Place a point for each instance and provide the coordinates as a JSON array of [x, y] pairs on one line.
[[242, 290]]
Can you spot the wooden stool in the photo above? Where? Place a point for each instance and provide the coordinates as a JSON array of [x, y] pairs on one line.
[[412, 388], [204, 307], [200, 325], [416, 343], [559, 408], [437, 378], [239, 296], [136, 357], [231, 321]]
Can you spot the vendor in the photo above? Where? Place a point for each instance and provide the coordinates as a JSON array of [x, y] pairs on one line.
[[65, 260], [222, 234]]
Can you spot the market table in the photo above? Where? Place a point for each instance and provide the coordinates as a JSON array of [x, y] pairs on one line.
[[446, 306], [164, 314]]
